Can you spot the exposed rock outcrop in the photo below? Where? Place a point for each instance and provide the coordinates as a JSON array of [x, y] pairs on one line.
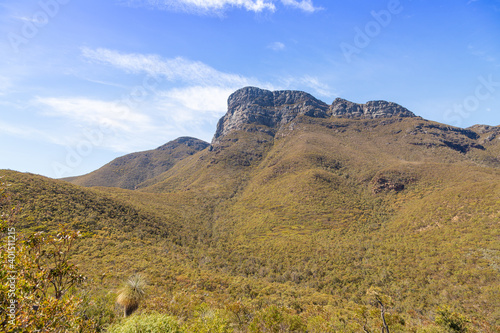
[[487, 133], [371, 110], [252, 105], [273, 109]]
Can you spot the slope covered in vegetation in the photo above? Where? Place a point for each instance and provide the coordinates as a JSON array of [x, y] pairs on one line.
[[130, 170], [309, 224]]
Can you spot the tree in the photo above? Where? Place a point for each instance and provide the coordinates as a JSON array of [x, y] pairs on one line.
[[131, 294], [379, 300]]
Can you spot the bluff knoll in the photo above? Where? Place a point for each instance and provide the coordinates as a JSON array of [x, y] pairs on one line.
[[253, 105]]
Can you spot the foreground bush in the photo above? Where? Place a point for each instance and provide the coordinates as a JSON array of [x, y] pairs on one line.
[[208, 320], [147, 323], [276, 320]]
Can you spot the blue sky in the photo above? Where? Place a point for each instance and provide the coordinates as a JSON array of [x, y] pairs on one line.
[[83, 82]]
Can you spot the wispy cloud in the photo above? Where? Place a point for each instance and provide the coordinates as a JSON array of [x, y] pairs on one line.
[[202, 99], [481, 53], [105, 83], [193, 109], [36, 20], [219, 7], [94, 112], [304, 5], [122, 129], [276, 46], [204, 7], [176, 69], [28, 132], [191, 98], [197, 76], [313, 84]]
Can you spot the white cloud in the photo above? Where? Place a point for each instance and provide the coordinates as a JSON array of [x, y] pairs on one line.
[[304, 5], [202, 99], [36, 20], [171, 113], [95, 112], [176, 69], [204, 7], [309, 82], [193, 109], [316, 85], [189, 98], [218, 7], [121, 129], [276, 46]]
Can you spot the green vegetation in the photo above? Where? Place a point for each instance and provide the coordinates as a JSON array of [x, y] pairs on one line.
[[338, 225], [150, 323], [451, 321], [37, 292], [131, 170]]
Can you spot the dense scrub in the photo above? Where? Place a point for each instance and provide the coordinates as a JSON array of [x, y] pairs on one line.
[[306, 231]]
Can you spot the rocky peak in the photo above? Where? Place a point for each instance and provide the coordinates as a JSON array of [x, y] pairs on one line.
[[375, 109], [257, 106], [249, 95], [273, 109]]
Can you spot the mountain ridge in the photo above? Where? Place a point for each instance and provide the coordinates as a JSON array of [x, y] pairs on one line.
[[275, 114], [251, 105]]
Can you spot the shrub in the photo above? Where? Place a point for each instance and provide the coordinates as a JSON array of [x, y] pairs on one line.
[[42, 285], [147, 323], [452, 321], [131, 294], [210, 321], [276, 320]]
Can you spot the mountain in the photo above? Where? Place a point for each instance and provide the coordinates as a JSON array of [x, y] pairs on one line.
[[257, 118], [130, 170], [299, 210], [296, 131], [252, 105]]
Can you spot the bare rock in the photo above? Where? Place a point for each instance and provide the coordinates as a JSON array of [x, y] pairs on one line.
[[375, 109], [273, 109], [252, 108]]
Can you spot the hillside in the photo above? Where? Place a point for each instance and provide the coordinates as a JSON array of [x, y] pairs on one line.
[[302, 206], [130, 170]]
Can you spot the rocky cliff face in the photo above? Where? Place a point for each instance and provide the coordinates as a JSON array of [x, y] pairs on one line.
[[269, 108], [371, 110], [273, 109]]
